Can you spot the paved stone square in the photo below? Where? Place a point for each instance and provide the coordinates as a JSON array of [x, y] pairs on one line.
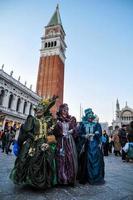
[[118, 185]]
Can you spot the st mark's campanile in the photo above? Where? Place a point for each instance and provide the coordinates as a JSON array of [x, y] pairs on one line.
[[50, 80]]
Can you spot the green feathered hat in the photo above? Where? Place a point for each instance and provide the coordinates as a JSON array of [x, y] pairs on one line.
[[46, 104]]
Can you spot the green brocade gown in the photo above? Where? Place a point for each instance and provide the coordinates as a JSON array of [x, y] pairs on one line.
[[35, 166]]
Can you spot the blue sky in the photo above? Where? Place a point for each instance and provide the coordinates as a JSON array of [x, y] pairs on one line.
[[99, 38]]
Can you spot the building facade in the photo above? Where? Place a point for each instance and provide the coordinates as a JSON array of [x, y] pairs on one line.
[[50, 79], [16, 100], [105, 126], [123, 116]]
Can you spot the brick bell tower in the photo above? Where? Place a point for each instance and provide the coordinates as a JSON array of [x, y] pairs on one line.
[[50, 79]]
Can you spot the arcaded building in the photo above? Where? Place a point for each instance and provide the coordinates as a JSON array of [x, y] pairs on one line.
[[17, 101]]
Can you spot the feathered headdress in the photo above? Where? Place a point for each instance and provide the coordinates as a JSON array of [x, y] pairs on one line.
[[46, 104]]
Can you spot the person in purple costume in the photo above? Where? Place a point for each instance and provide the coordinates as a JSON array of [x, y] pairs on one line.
[[66, 154]]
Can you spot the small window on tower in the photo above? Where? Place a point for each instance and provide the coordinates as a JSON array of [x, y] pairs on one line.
[[46, 44], [51, 44], [55, 43]]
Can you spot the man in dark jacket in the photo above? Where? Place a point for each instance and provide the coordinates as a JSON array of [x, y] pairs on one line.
[[3, 140], [123, 140]]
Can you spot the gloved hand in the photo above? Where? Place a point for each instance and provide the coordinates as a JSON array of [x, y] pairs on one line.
[[16, 148], [44, 146], [70, 131], [89, 136]]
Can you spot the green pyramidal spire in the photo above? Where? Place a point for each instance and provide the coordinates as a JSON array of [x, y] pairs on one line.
[[55, 19]]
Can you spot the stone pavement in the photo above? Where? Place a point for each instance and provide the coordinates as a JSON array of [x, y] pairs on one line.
[[118, 185]]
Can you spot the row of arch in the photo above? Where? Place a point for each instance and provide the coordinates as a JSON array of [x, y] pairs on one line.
[[17, 104], [50, 44], [127, 118]]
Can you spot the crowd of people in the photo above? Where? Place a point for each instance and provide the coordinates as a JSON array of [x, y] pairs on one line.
[[7, 137], [120, 142], [58, 151]]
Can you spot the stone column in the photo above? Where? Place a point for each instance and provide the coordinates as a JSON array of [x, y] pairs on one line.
[[14, 103], [21, 107], [32, 110], [1, 96], [6, 98], [27, 108]]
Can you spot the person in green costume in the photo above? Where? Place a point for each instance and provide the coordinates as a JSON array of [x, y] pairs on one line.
[[35, 149]]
